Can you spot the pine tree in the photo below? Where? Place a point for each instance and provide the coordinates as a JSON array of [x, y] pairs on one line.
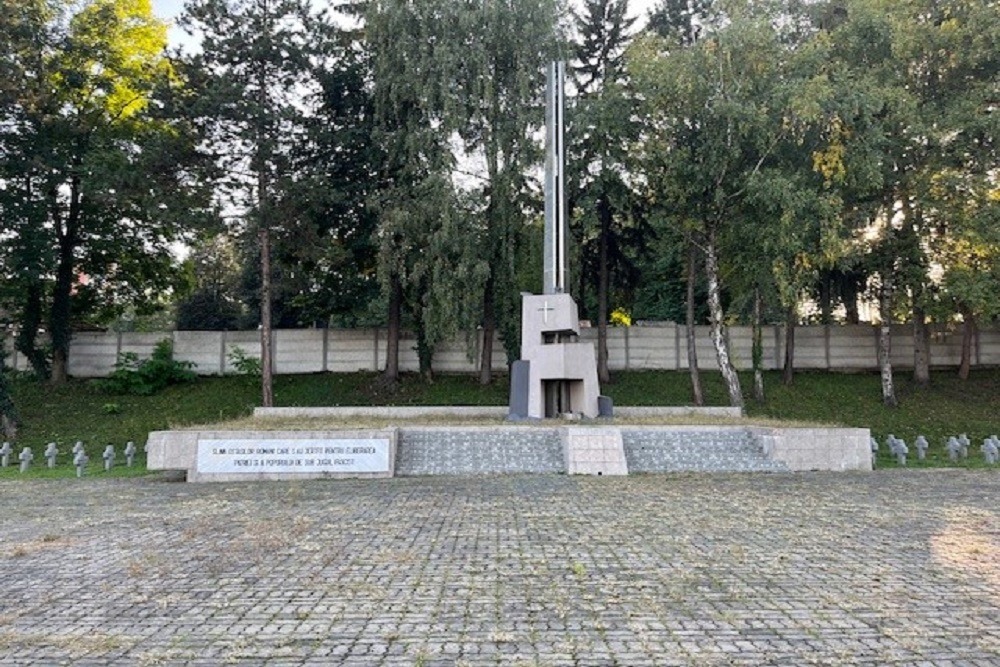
[[253, 77]]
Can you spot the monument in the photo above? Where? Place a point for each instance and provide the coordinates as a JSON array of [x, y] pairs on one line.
[[557, 374]]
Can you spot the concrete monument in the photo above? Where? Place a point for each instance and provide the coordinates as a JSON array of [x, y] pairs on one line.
[[557, 374]]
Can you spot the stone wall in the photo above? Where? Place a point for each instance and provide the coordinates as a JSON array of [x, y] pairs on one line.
[[657, 346]]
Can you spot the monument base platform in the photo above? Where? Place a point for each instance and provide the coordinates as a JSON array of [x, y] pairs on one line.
[[537, 448]]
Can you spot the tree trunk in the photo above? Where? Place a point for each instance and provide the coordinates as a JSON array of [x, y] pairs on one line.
[[489, 331], [788, 369], [826, 297], [425, 351], [921, 348], [391, 373], [60, 327], [603, 280], [31, 320], [968, 334], [885, 342], [849, 296], [758, 347], [720, 336], [262, 160], [692, 341], [266, 347]]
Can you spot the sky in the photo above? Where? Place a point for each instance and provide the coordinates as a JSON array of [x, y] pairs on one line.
[[169, 9]]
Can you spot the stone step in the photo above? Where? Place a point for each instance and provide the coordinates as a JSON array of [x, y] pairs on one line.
[[695, 449], [578, 450], [479, 451]]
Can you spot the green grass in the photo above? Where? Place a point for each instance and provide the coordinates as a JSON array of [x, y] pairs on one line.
[[79, 411]]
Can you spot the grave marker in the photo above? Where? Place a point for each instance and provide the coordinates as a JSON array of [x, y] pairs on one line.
[[50, 454], [921, 445], [109, 457], [26, 457], [5, 455], [899, 449], [80, 461], [954, 448], [129, 453], [990, 450]]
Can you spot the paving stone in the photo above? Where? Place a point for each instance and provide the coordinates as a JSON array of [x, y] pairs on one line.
[[896, 567]]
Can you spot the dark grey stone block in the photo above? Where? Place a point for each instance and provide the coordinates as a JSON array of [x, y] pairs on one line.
[[605, 407], [520, 380]]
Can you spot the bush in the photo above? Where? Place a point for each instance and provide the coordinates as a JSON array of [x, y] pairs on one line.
[[243, 362], [143, 378]]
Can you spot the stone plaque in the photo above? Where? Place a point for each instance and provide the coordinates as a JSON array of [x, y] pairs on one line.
[[284, 455]]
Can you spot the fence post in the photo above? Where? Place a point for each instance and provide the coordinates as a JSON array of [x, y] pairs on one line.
[[326, 348], [628, 360], [778, 359], [826, 344], [222, 353], [677, 346]]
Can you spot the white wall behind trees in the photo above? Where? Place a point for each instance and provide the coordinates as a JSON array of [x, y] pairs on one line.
[[650, 347]]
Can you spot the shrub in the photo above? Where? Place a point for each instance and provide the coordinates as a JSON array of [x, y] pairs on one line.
[[143, 378], [243, 362]]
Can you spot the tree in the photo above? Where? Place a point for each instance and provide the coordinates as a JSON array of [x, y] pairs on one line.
[[916, 85], [717, 113], [334, 252], [603, 126], [503, 48], [98, 180], [255, 77], [681, 23]]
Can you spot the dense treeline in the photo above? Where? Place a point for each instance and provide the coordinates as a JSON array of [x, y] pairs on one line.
[[377, 163]]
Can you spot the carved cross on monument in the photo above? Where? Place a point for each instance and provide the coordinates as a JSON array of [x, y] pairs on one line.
[[545, 310]]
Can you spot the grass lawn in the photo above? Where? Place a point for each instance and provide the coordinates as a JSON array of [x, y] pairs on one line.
[[79, 411]]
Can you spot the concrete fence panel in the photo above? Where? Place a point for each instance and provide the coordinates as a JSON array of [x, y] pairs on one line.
[[651, 347], [853, 347], [647, 347], [205, 349], [354, 350], [298, 350], [987, 352], [93, 354], [946, 346]]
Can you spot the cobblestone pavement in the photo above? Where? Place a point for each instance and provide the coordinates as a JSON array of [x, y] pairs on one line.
[[889, 568]]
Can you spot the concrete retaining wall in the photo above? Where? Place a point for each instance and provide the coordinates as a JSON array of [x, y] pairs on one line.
[[649, 347], [461, 450]]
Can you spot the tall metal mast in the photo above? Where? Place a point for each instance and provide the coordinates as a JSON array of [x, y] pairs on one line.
[[556, 262]]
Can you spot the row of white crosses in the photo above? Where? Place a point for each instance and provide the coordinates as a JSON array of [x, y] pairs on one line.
[[957, 447], [80, 458]]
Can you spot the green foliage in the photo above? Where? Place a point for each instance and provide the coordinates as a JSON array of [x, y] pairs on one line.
[[207, 310], [146, 377], [243, 362], [96, 180]]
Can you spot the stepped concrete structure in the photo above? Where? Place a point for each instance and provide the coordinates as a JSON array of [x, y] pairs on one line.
[[545, 448], [557, 374]]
